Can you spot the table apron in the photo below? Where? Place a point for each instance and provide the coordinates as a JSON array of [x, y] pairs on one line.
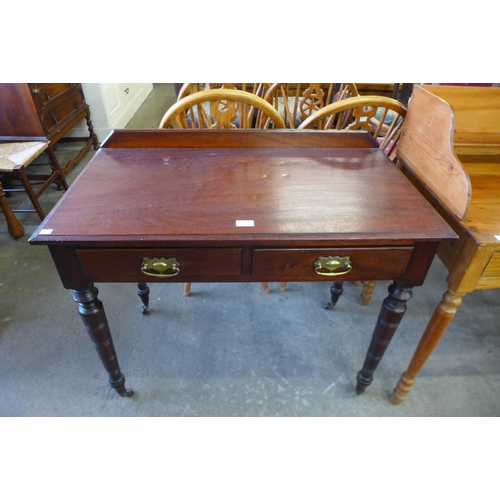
[[242, 264]]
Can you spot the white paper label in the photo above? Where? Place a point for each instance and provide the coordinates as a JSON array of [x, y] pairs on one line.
[[245, 223], [46, 231], [497, 236]]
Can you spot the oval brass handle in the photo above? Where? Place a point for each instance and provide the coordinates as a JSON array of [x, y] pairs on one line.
[[160, 267], [332, 266]]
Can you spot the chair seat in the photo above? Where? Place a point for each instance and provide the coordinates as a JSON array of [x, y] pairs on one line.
[[15, 157], [15, 154]]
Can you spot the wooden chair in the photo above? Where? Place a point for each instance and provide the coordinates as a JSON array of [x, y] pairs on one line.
[[257, 89], [382, 117], [298, 101], [228, 109], [15, 157], [450, 149]]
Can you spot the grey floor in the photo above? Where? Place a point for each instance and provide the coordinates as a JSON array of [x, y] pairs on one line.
[[228, 349]]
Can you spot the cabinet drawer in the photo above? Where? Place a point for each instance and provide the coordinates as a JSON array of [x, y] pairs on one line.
[[124, 265], [47, 93], [492, 270], [298, 263], [56, 115]]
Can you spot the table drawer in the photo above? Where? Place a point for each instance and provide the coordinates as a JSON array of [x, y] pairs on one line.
[[298, 263], [123, 265], [53, 117]]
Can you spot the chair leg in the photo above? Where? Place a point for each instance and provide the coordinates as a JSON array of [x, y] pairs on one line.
[[187, 289], [56, 167], [366, 292], [21, 173], [265, 287], [444, 313], [15, 228]]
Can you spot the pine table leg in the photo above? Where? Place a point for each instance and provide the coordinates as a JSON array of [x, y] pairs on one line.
[[444, 313]]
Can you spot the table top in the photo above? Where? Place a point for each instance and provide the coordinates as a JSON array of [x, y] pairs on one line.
[[212, 187], [482, 221], [465, 186]]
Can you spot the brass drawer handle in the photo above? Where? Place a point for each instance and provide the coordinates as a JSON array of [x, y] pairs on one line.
[[332, 266], [160, 267]]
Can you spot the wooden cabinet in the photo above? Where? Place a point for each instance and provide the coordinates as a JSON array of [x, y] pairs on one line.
[[121, 101], [48, 110]]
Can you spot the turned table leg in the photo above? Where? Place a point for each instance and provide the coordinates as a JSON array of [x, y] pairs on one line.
[[336, 291], [444, 313], [15, 228], [94, 318], [391, 314], [143, 292]]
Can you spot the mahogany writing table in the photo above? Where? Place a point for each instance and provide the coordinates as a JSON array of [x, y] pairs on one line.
[[240, 206]]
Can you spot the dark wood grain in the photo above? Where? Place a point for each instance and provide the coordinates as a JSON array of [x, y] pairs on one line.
[[250, 138], [381, 263], [199, 194], [18, 113], [44, 94]]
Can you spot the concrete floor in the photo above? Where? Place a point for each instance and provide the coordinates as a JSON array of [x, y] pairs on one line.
[[229, 349]]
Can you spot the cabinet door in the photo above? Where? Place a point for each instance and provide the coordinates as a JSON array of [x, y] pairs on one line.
[[121, 100], [129, 91], [111, 100]]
